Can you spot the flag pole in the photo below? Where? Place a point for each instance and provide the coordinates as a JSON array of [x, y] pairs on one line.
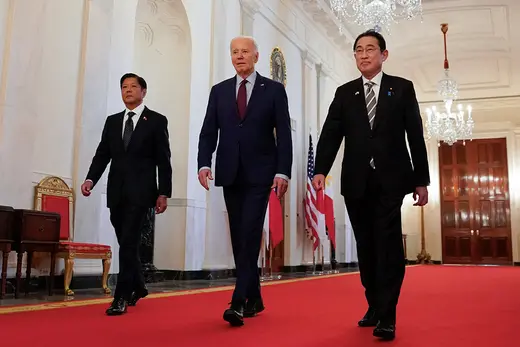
[[262, 271], [271, 260], [322, 251], [313, 260]]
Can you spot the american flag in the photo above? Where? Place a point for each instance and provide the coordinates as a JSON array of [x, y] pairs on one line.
[[313, 202]]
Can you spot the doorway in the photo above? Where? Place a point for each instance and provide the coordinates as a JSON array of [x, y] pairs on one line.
[[475, 206]]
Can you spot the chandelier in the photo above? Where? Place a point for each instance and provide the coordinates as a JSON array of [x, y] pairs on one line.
[[375, 14], [446, 125]]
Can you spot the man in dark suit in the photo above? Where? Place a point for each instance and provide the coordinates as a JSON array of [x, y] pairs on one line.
[[136, 140], [242, 114], [375, 114]]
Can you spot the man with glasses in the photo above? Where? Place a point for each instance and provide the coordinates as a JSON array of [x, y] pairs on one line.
[[375, 113]]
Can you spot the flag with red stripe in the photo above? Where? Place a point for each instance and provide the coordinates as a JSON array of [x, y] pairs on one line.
[[314, 202]]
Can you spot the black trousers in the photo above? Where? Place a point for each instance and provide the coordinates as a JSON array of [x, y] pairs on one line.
[[376, 221], [127, 220], [246, 206]]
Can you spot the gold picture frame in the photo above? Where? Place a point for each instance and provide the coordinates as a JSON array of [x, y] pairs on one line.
[[278, 67]]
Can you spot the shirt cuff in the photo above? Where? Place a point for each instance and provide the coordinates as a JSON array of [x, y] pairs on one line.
[[204, 168], [282, 176]]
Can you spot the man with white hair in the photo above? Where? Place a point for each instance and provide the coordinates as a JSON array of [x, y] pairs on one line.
[[242, 115]]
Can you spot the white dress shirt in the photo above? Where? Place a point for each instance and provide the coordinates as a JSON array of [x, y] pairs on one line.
[[377, 84]]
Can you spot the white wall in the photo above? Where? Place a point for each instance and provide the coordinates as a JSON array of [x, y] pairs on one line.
[[60, 80]]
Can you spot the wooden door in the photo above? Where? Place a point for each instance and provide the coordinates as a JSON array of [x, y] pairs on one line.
[[476, 227]]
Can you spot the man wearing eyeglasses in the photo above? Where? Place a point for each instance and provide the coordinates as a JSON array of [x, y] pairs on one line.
[[375, 113]]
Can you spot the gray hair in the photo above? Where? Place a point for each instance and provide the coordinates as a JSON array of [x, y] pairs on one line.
[[252, 39]]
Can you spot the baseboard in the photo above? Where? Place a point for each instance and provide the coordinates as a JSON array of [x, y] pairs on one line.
[[39, 284], [178, 275], [79, 282], [516, 263], [414, 262]]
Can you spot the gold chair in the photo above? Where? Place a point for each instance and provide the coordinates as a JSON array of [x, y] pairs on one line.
[[52, 194]]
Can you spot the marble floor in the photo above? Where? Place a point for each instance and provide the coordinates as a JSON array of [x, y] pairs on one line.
[[41, 297]]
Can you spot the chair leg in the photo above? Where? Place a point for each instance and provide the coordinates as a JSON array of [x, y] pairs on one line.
[[19, 258], [106, 270], [67, 278], [28, 272], [52, 272], [5, 256]]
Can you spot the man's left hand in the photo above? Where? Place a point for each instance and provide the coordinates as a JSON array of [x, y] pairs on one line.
[[280, 185], [161, 204], [420, 196]]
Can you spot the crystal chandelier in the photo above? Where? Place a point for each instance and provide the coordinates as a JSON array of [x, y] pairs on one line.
[[446, 125], [375, 14]]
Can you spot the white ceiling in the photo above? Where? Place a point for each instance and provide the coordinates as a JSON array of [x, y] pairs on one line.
[[483, 50]]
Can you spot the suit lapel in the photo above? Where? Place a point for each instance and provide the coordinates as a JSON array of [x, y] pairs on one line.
[[140, 127], [383, 100], [256, 94], [360, 102], [232, 90], [119, 130]]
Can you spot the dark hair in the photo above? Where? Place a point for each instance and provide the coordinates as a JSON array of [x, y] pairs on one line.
[[372, 33], [139, 79]]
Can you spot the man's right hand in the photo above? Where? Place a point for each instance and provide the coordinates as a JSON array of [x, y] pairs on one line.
[[318, 182], [86, 187], [204, 176]]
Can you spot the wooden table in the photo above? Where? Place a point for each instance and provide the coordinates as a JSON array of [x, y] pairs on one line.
[[6, 241], [35, 231]]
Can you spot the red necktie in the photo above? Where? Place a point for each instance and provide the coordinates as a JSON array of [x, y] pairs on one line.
[[242, 99]]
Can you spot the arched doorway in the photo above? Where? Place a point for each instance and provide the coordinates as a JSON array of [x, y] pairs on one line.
[[162, 55]]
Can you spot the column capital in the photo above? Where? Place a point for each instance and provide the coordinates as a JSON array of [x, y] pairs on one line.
[[251, 7], [310, 59]]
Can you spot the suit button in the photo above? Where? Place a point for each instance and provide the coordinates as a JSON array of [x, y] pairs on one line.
[[240, 125]]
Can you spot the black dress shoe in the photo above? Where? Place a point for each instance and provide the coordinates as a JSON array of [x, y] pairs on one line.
[[253, 307], [385, 331], [369, 319], [117, 308], [136, 295], [234, 315]]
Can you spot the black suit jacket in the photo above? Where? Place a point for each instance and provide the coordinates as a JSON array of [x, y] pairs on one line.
[[249, 143], [397, 117], [133, 173]]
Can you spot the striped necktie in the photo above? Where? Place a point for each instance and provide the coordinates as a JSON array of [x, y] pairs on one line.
[[371, 102]]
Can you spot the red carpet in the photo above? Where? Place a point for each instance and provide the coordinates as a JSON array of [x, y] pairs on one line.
[[440, 306]]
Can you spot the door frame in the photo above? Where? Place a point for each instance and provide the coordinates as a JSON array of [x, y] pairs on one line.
[[432, 211], [472, 201]]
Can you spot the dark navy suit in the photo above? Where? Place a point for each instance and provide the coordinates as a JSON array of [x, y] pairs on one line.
[[248, 158]]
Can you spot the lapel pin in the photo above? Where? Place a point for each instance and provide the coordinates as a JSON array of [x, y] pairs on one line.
[[356, 93], [262, 85], [144, 118]]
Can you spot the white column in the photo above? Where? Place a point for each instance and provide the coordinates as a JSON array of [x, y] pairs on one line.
[[310, 100], [218, 252], [107, 55], [249, 9], [6, 26], [199, 16]]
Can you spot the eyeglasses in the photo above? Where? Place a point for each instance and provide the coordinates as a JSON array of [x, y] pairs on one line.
[[368, 51]]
